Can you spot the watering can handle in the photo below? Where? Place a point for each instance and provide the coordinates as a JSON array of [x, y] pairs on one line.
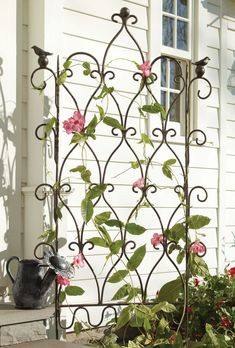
[[8, 267]]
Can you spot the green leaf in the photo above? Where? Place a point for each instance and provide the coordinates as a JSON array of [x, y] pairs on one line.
[[105, 234], [102, 217], [77, 328], [78, 138], [135, 229], [49, 125], [118, 276], [99, 242], [212, 336], [87, 68], [136, 258], [57, 211], [114, 223], [73, 290], [166, 168], [112, 122], [104, 92], [61, 78], [163, 326], [62, 297], [96, 191], [121, 293], [170, 291], [163, 306], [198, 221], [87, 209], [48, 235], [155, 108], [176, 232], [67, 64], [116, 246], [79, 169], [198, 266], [136, 164], [90, 129], [141, 112], [145, 139], [147, 324], [86, 176], [124, 317], [180, 256], [101, 112], [132, 293]]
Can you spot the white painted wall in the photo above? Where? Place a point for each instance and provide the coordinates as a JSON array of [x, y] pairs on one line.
[[10, 137]]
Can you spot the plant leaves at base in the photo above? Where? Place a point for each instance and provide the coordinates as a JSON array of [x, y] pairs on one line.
[[77, 328], [170, 291]]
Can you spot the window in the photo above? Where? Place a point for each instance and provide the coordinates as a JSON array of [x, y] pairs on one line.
[[176, 27], [176, 42]]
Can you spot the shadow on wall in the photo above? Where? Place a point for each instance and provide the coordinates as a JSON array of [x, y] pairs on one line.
[[231, 79], [7, 183]]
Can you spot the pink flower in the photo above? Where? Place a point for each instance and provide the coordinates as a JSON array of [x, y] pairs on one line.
[[197, 248], [74, 124], [62, 280], [172, 339], [78, 261], [189, 309], [231, 272], [139, 183], [225, 322], [156, 239], [145, 68], [196, 281]]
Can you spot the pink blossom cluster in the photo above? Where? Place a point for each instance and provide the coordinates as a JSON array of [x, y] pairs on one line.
[[231, 272], [156, 239], [145, 68], [74, 124], [139, 183], [78, 261], [197, 248], [62, 280]]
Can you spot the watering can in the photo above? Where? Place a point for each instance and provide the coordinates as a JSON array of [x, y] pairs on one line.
[[32, 283]]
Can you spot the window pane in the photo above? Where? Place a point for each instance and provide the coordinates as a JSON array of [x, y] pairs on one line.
[[175, 110], [163, 99], [182, 8], [174, 72], [168, 6], [163, 72], [182, 35], [167, 29]]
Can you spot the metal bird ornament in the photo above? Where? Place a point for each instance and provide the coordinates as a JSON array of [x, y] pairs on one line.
[[42, 56], [200, 64]]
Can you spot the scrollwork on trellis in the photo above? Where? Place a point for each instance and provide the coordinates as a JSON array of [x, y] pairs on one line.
[[162, 136]]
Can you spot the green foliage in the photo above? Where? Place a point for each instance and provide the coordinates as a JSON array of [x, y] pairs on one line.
[[104, 92], [136, 258], [77, 328], [48, 236], [87, 209], [155, 108], [166, 167], [118, 276], [49, 125], [198, 221], [87, 68], [102, 217], [145, 140], [62, 296], [96, 191], [112, 122], [73, 290], [57, 211], [170, 291], [135, 229]]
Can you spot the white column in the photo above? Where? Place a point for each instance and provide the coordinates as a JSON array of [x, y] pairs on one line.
[[45, 32]]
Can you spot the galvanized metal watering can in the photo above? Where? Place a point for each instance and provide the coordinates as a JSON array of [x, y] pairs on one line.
[[32, 283]]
